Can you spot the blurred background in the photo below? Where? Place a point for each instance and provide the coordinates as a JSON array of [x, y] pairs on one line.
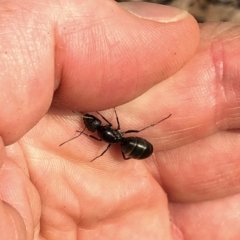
[[204, 10]]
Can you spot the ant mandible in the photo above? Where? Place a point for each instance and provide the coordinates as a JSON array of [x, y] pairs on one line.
[[132, 147]]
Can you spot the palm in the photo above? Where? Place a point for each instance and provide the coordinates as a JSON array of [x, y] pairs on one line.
[[76, 194], [89, 199]]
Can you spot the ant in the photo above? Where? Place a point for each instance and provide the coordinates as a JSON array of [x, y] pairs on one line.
[[131, 147]]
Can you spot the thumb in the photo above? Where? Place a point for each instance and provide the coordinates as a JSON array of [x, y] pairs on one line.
[[114, 55], [95, 54]]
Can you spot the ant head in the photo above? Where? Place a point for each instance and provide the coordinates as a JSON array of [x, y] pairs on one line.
[[92, 123]]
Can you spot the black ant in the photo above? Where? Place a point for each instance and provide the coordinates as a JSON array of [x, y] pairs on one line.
[[132, 147]]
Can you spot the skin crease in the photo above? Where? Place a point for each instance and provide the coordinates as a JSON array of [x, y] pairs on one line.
[[188, 189]]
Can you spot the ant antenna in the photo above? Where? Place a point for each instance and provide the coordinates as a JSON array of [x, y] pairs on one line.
[[73, 137], [149, 126], [155, 123]]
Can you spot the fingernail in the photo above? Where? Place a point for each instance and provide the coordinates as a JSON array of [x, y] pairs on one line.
[[155, 12]]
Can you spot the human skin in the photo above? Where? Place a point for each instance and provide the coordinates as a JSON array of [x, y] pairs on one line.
[[85, 56]]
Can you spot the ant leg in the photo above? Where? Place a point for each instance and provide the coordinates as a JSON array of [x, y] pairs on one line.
[[80, 133], [124, 157], [91, 136], [109, 145], [109, 124], [152, 125], [118, 124]]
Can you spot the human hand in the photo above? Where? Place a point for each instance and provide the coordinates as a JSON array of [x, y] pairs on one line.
[[55, 192]]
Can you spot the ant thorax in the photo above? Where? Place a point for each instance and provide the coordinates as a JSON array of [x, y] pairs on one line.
[[109, 135]]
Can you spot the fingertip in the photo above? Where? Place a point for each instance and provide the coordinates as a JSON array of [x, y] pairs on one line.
[[155, 12]]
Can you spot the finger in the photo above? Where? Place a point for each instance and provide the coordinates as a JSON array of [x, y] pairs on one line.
[[12, 226], [97, 60], [22, 208], [205, 220], [114, 56], [204, 101], [26, 67], [203, 97], [203, 170]]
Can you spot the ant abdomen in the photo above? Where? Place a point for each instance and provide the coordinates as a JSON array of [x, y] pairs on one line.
[[136, 147]]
